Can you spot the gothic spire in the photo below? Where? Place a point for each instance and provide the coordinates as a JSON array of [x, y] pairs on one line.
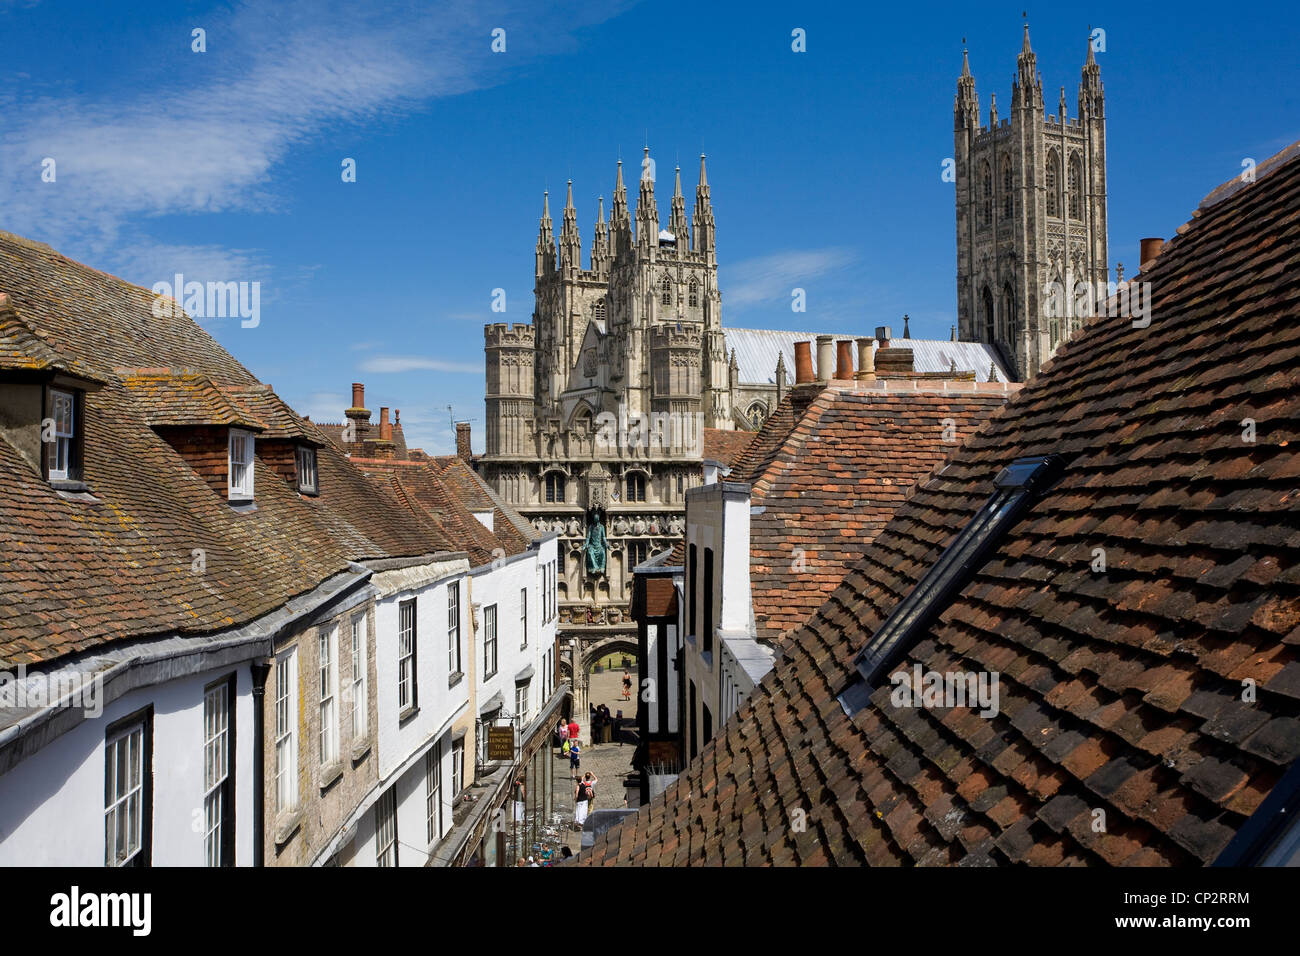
[[570, 243], [647, 212], [677, 220], [545, 239], [966, 108], [1091, 99], [600, 242], [1030, 86], [703, 231]]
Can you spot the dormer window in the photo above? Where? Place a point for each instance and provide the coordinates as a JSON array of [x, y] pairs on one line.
[[307, 470], [240, 486], [61, 436]]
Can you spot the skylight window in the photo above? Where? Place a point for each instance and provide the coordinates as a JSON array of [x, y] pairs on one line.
[[1015, 488]]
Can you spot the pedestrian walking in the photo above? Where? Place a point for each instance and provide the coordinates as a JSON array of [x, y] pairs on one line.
[[573, 729], [627, 686], [583, 798], [575, 756], [561, 732]]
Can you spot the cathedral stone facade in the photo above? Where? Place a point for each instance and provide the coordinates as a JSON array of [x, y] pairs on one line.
[[1031, 215], [600, 412]]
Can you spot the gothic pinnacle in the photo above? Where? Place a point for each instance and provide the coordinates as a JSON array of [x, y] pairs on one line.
[[965, 63], [677, 188], [704, 179]]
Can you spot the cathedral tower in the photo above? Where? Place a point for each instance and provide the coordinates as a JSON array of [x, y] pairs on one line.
[[1031, 214]]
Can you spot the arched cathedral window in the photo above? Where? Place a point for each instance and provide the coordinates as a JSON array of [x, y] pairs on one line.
[[598, 310], [756, 415], [1007, 200], [554, 488], [635, 486], [1053, 184], [986, 195], [1076, 196], [694, 299], [667, 288]]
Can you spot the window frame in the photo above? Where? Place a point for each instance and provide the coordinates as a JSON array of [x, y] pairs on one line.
[[286, 731], [457, 767], [123, 730], [245, 489], [327, 671], [455, 663], [308, 472], [407, 678], [70, 441], [634, 486], [490, 636], [433, 817], [224, 789], [360, 677], [386, 820], [523, 617]]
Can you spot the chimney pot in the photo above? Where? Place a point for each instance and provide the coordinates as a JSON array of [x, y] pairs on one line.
[[803, 370], [358, 395], [464, 450], [1149, 249], [866, 359], [844, 360], [825, 357], [883, 334]]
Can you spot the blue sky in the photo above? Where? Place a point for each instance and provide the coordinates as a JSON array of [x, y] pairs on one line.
[[824, 165]]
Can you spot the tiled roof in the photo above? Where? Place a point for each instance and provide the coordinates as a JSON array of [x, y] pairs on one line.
[[102, 320], [158, 551], [182, 397], [1121, 690], [446, 492], [837, 477], [280, 421], [725, 445], [21, 349]]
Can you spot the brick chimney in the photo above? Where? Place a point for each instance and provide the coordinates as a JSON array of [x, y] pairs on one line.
[[803, 370], [464, 450], [383, 446], [358, 414]]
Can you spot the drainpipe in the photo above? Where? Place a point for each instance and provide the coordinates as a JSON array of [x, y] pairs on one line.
[[261, 670]]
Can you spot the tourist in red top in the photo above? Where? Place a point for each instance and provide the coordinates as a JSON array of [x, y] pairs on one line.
[[573, 730]]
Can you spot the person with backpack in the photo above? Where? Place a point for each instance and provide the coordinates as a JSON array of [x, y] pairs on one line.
[[583, 797]]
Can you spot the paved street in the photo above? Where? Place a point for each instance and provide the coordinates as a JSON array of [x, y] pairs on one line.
[[609, 762]]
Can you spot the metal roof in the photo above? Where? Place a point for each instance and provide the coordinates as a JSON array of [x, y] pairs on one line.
[[756, 351]]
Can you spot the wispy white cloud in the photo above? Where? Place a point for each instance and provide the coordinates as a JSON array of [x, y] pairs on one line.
[[773, 278], [415, 363], [273, 77]]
